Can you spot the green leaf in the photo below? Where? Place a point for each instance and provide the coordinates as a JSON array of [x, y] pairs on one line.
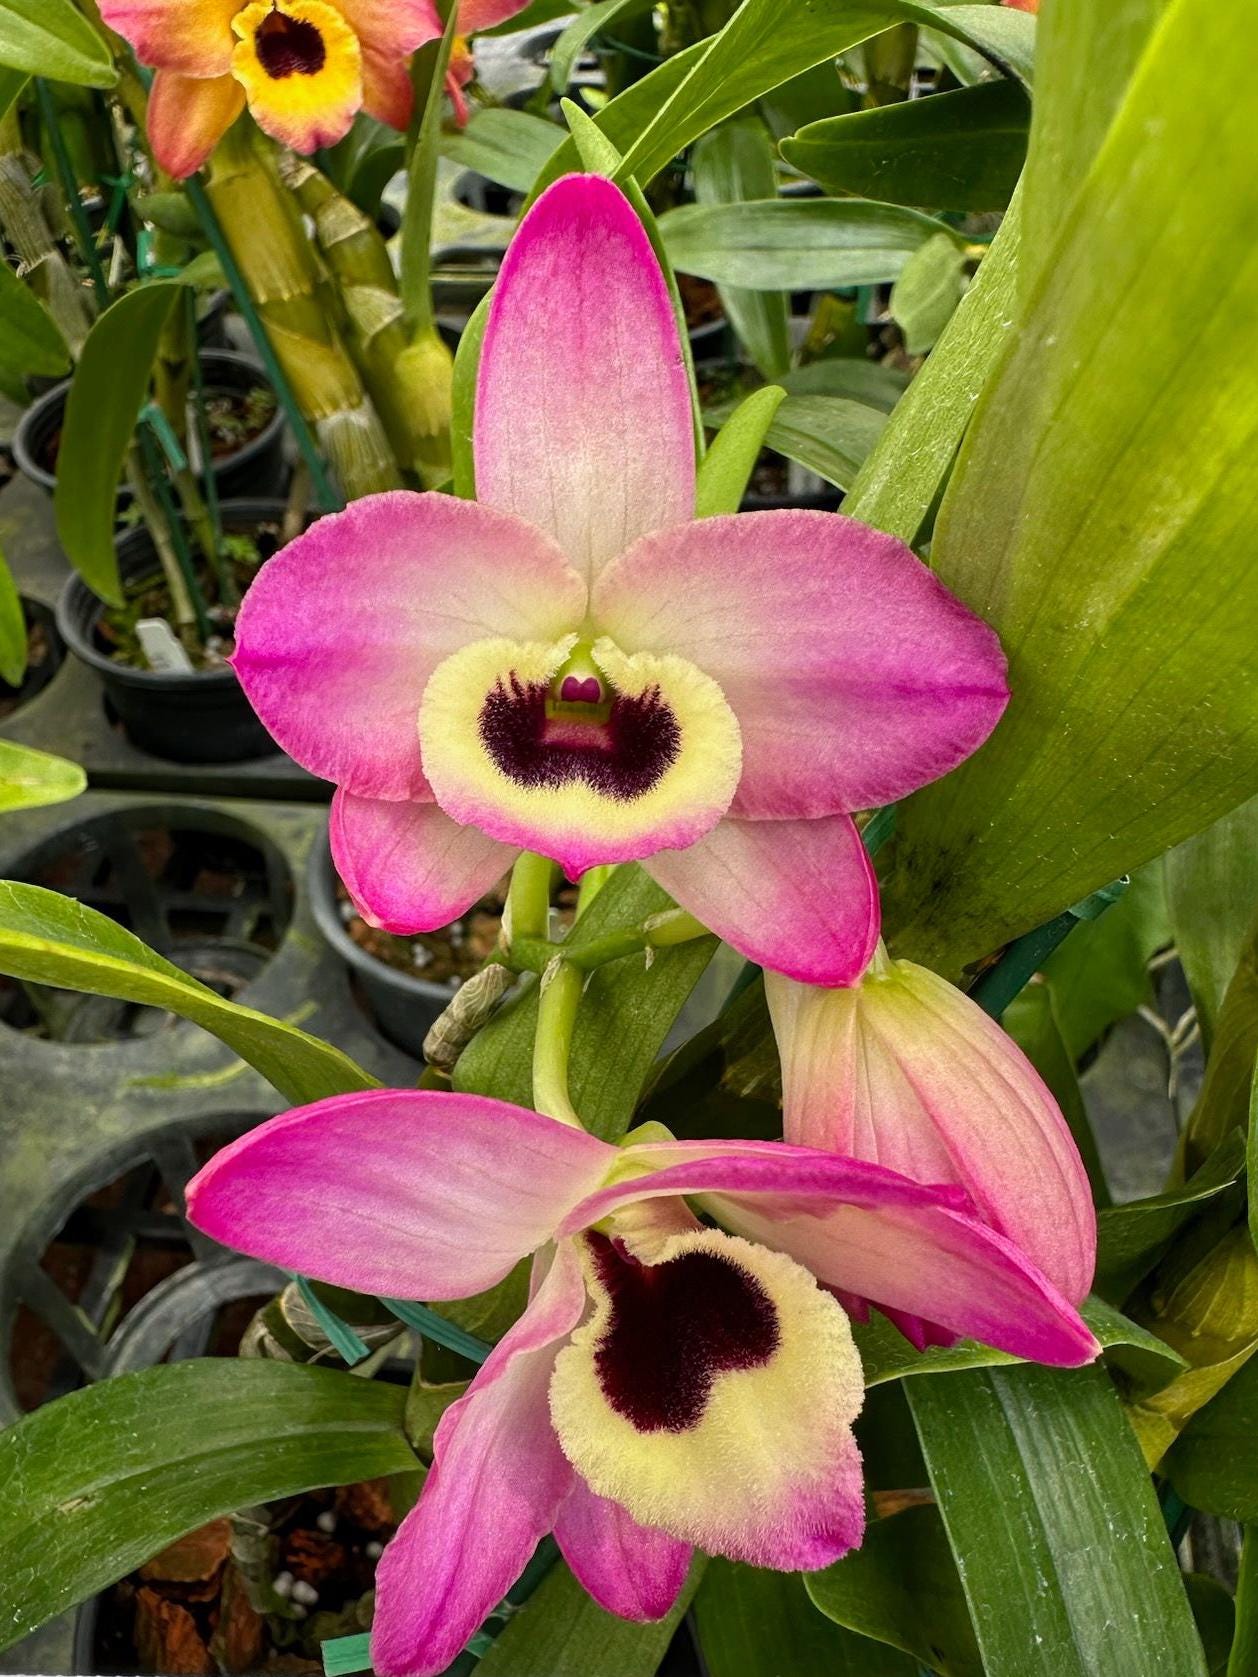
[[1058, 1537], [100, 1481], [1244, 1652], [1124, 733], [1032, 1023], [826, 434], [1133, 1237], [463, 399], [1101, 973], [887, 1355], [13, 636], [46, 938], [1215, 1613], [1212, 1464], [626, 1013], [901, 1588], [765, 44], [560, 1632], [30, 343], [796, 243], [598, 155], [953, 151], [753, 1623], [1085, 57], [109, 389], [731, 458], [11, 84], [870, 382], [901, 481], [1212, 892], [1223, 1105], [997, 39], [510, 147], [582, 30], [29, 778], [51, 38], [925, 297], [733, 165]]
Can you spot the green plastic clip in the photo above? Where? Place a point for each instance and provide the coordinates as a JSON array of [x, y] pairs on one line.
[[432, 1326], [344, 1341]]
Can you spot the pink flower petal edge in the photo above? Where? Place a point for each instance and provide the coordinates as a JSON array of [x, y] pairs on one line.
[[629, 1569], [595, 459], [855, 675], [798, 896]]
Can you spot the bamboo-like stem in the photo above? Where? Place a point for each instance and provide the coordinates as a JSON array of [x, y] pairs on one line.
[[410, 379], [70, 191], [279, 266], [42, 264]]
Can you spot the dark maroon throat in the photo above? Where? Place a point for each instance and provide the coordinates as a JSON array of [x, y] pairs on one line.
[[289, 46], [622, 749], [674, 1327]]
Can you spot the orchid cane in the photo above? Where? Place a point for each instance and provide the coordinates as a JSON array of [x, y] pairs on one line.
[[575, 666], [670, 1384]]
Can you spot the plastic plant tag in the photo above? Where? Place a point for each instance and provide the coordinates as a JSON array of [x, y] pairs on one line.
[[162, 648]]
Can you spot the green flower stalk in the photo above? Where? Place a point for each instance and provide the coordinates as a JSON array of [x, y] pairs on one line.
[[409, 378], [281, 270]]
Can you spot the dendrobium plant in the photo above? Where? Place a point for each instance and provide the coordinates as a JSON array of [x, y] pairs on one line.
[[574, 665], [671, 1383], [906, 1071], [305, 68]]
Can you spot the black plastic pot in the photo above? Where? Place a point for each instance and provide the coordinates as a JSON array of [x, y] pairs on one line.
[[257, 468], [201, 717], [403, 1008], [39, 673]]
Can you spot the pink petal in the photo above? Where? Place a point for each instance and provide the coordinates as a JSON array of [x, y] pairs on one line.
[[191, 36], [408, 867], [475, 15], [907, 1071], [341, 630], [409, 1193], [799, 897], [388, 92], [392, 28], [868, 1231], [633, 1571], [583, 421], [855, 675], [497, 1479], [188, 116]]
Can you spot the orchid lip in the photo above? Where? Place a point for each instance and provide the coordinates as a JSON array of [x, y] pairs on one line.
[[289, 46]]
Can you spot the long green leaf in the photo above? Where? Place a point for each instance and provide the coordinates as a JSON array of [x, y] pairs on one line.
[[1212, 894], [796, 242], [826, 434], [901, 1588], [510, 147], [1032, 1023], [46, 938], [957, 151], [876, 385], [109, 389], [1101, 973], [1244, 1652], [901, 481], [732, 165], [560, 1632], [726, 468], [30, 779], [100, 1481], [582, 30], [30, 343], [1056, 1532], [1213, 1464], [1104, 500], [752, 1623], [927, 292], [626, 1013], [13, 637], [51, 38], [1223, 1105]]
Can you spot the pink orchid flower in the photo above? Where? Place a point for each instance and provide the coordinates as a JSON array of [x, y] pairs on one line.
[[574, 665], [905, 1070], [305, 68], [670, 1384]]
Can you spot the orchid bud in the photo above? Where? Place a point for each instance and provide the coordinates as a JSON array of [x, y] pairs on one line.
[[904, 1070]]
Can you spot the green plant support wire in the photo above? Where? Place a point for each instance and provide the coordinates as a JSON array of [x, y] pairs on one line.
[[149, 437], [70, 191], [996, 988], [206, 446]]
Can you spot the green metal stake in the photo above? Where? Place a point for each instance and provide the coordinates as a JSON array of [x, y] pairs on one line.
[[70, 187], [149, 451]]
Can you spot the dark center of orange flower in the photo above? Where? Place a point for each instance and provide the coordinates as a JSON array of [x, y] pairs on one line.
[[674, 1327], [619, 746], [289, 46]]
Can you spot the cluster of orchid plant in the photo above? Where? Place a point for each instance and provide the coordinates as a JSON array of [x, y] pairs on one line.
[[574, 667]]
